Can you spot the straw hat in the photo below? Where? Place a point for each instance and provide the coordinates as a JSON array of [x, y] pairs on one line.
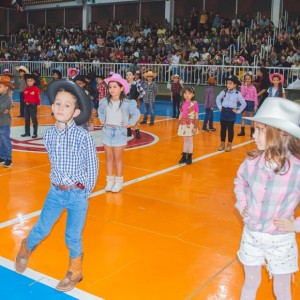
[[4, 79], [211, 80], [280, 113], [280, 76], [175, 75], [22, 68], [82, 98], [118, 78], [150, 74]]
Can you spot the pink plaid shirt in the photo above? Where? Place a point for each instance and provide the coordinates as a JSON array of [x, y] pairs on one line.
[[249, 93], [267, 195]]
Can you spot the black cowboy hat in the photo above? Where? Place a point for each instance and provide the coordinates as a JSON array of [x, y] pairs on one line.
[[79, 78], [71, 87], [234, 79], [57, 72], [30, 76]]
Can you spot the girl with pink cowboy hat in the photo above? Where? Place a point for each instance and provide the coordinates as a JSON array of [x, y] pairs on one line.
[[72, 73], [117, 113], [276, 89]]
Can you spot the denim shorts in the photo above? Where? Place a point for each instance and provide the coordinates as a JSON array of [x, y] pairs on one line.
[[250, 106], [114, 136], [277, 251]]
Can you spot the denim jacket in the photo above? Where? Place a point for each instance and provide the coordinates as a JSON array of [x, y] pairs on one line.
[[130, 112]]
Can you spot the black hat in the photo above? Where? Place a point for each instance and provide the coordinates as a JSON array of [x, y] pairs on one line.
[[100, 76], [71, 87], [234, 79], [79, 78], [36, 73], [90, 76], [30, 76], [57, 72]]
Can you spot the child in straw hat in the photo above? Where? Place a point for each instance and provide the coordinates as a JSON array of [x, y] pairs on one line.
[[267, 194], [151, 91]]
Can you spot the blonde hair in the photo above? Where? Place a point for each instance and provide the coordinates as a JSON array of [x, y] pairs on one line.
[[279, 145]]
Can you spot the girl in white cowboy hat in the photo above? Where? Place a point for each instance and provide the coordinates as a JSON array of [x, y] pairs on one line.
[[267, 194], [116, 113], [276, 89]]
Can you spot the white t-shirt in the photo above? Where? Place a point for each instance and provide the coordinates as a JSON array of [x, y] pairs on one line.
[[114, 114]]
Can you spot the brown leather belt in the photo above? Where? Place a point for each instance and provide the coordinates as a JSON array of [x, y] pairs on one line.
[[76, 185]]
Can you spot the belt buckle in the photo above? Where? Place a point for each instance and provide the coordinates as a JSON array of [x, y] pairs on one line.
[[79, 185]]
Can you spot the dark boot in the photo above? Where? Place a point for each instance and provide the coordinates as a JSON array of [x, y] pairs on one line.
[[137, 134], [183, 158], [189, 158], [35, 128], [129, 132], [242, 132], [252, 131]]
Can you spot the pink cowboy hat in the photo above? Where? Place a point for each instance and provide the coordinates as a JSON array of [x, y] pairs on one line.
[[70, 70], [280, 76], [118, 78]]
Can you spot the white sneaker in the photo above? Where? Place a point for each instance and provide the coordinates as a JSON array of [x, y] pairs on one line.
[[110, 183], [118, 186]]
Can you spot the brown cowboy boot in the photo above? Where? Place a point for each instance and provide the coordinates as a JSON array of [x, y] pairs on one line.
[[73, 276], [222, 146], [22, 258], [228, 147]]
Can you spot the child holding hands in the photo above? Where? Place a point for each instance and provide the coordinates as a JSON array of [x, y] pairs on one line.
[[188, 123], [267, 192], [116, 113]]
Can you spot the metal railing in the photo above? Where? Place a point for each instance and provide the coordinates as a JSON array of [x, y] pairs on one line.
[[190, 74]]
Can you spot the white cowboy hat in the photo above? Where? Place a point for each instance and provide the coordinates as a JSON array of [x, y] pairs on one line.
[[279, 113], [22, 68]]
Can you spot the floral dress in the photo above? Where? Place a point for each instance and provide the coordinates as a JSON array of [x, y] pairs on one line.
[[188, 119]]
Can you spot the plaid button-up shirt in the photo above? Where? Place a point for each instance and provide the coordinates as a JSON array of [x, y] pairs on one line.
[[267, 195], [73, 156]]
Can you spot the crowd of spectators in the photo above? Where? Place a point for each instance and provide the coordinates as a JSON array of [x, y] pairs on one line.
[[201, 39]]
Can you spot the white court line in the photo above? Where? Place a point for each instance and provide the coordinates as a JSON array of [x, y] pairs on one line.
[[28, 216], [48, 281]]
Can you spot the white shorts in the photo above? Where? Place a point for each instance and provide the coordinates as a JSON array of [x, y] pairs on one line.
[[278, 252]]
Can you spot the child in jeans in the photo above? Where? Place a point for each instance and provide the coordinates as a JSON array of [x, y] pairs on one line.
[[74, 171], [151, 90], [209, 103], [5, 122]]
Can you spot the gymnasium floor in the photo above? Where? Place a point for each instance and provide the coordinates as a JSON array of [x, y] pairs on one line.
[[171, 234]]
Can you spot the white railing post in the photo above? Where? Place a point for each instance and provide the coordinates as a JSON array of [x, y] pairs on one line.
[[13, 39], [3, 44]]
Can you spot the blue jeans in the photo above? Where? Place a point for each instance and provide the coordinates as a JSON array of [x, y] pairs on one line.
[[149, 109], [75, 201], [209, 118], [5, 143]]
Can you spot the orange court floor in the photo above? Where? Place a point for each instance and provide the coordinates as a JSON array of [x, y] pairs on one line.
[[172, 233]]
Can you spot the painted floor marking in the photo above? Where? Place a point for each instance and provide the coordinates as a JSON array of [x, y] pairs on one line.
[[48, 281]]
